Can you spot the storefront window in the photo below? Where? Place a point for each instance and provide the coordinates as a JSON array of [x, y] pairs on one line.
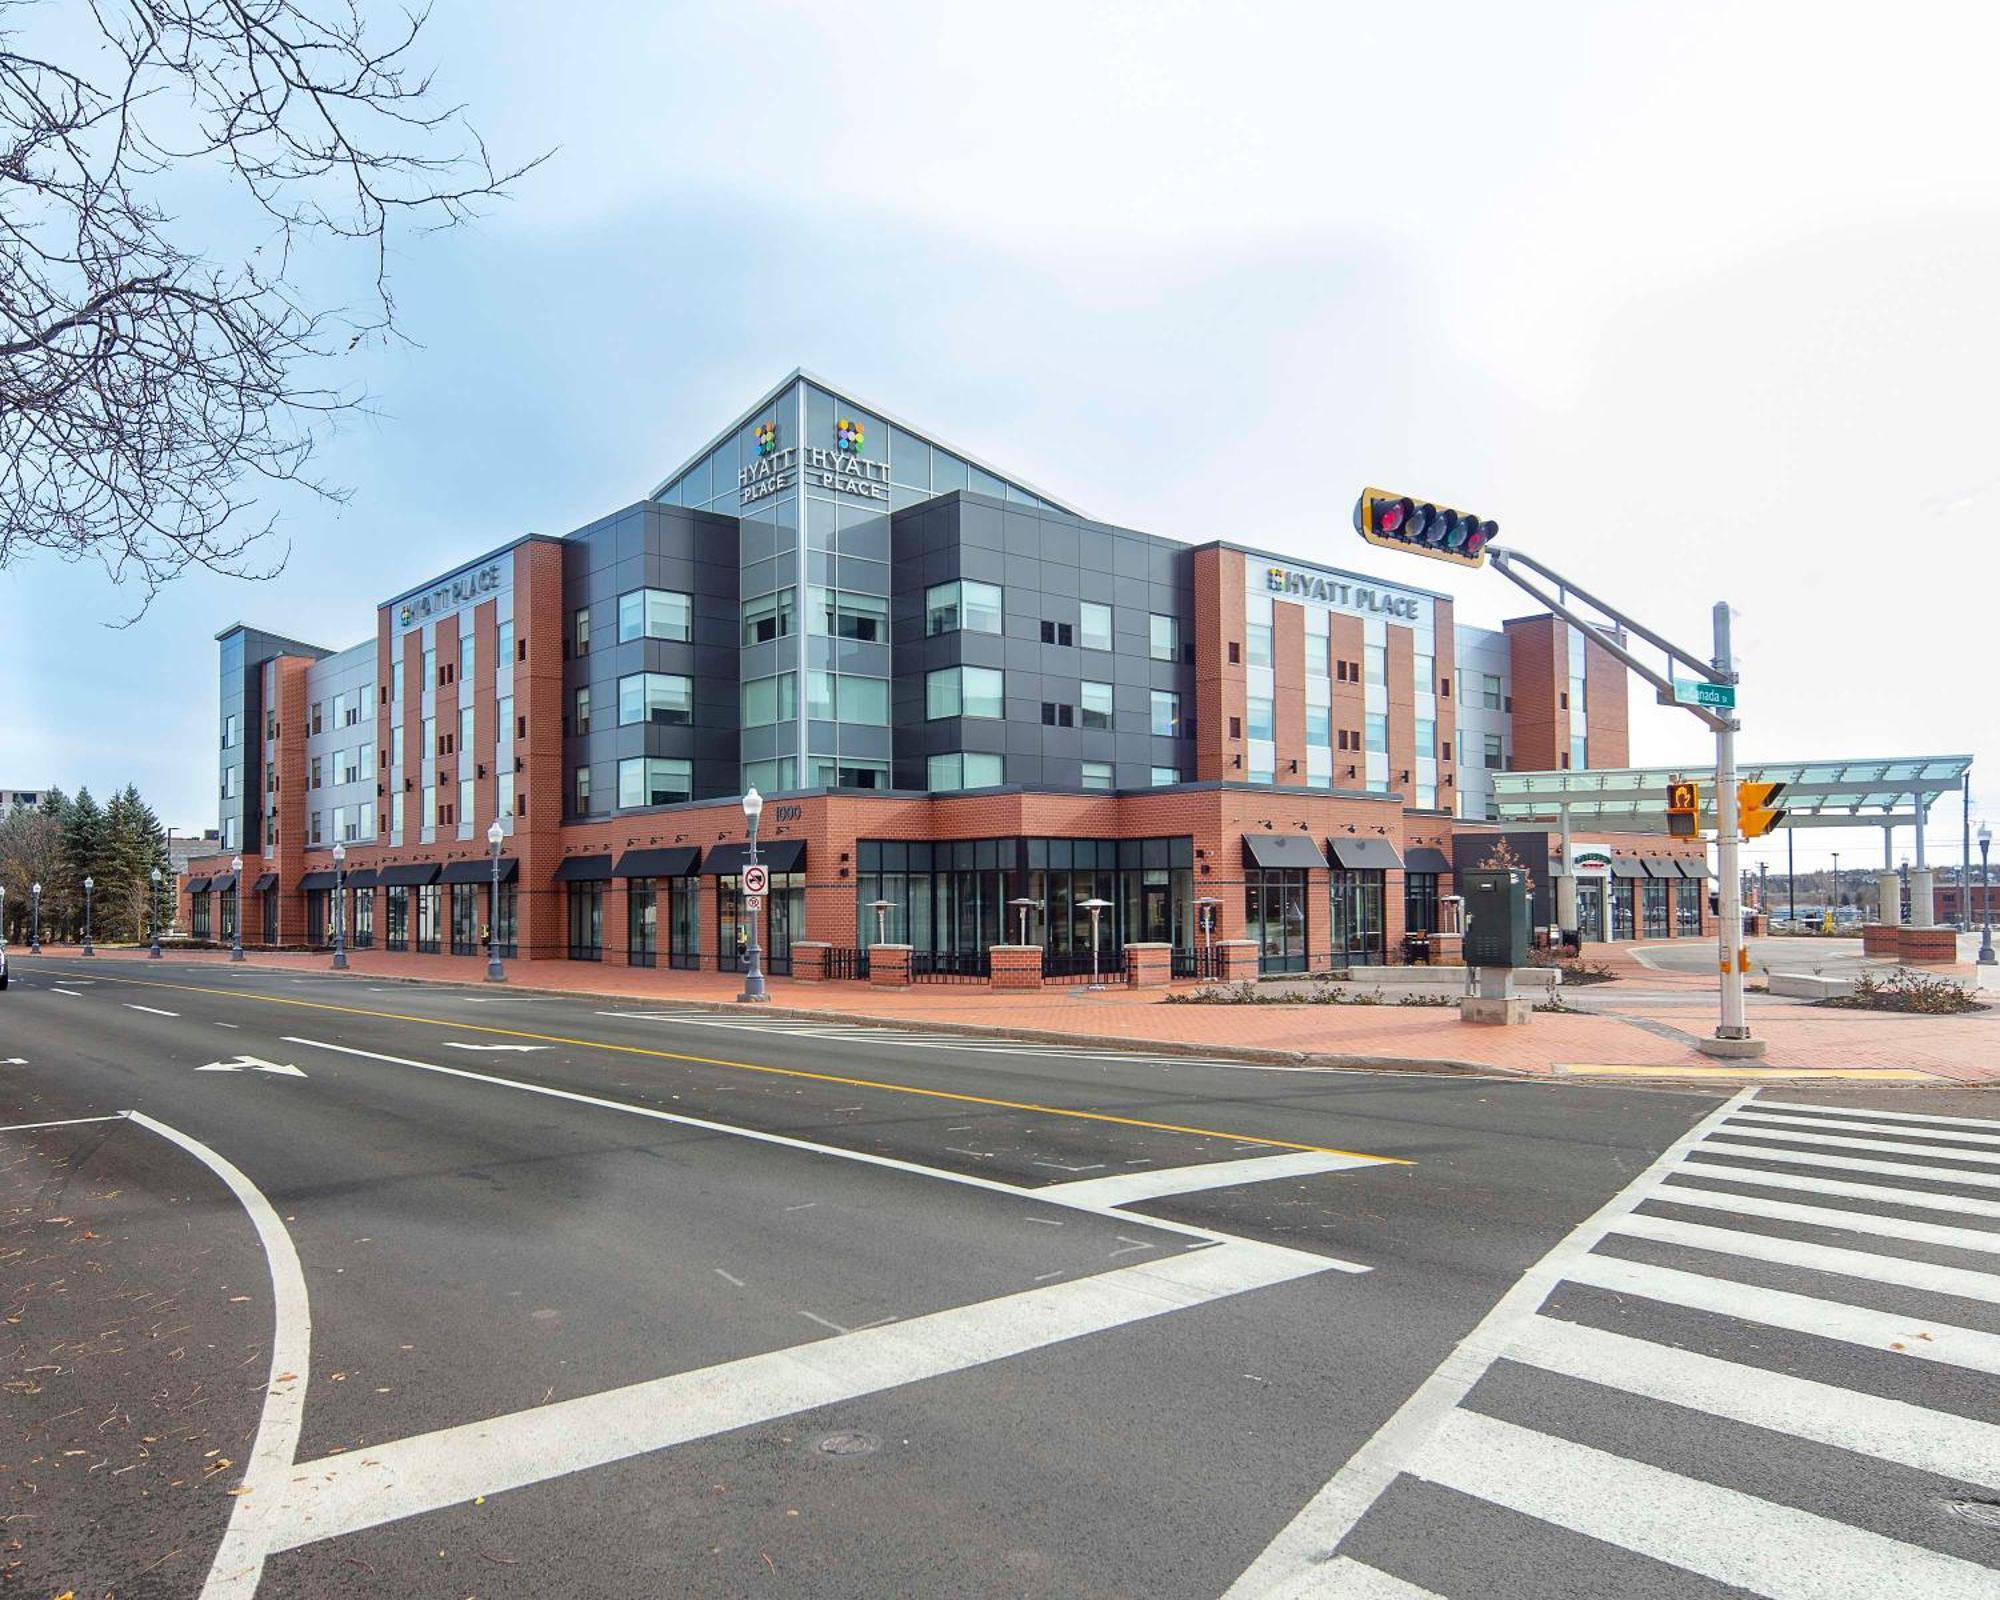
[[430, 910], [1621, 909], [586, 922], [198, 917], [1274, 909], [642, 922], [1687, 909], [1420, 902], [1357, 916], [364, 919], [1654, 906], [396, 925], [684, 923], [468, 919]]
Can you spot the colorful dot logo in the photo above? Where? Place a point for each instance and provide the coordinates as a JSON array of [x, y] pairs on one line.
[[852, 436], [766, 436]]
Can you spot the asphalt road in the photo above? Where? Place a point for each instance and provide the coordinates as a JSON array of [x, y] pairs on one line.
[[313, 1287]]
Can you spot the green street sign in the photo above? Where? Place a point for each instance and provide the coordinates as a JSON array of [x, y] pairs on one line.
[[1721, 696]]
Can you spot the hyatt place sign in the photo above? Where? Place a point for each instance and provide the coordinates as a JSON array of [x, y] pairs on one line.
[[454, 592], [1297, 585]]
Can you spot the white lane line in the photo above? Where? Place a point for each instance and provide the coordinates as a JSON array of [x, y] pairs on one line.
[[1918, 1337], [1887, 1116], [239, 1558], [1129, 1187], [1848, 1125], [74, 994], [1881, 1193], [1735, 1538], [364, 1488], [1344, 1578], [813, 1316], [1964, 1282], [1850, 1419], [230, 1025], [729, 1277], [1295, 1559], [1894, 1169], [1841, 1141], [153, 1010], [65, 1122], [787, 1142], [1987, 1239]]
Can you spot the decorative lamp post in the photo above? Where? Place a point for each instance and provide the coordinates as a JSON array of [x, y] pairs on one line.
[[339, 907], [87, 886], [1986, 957], [495, 973], [753, 977], [881, 908], [154, 953], [1096, 908], [1023, 906], [236, 913], [35, 926], [1206, 908]]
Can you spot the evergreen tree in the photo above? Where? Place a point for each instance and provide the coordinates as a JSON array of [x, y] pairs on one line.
[[83, 846]]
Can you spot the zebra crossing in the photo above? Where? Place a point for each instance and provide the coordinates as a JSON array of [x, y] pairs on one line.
[[881, 1034], [1765, 1367]]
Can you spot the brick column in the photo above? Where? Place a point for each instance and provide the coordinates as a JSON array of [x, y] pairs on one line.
[[889, 965], [1236, 960], [1014, 966], [1149, 966], [809, 960]]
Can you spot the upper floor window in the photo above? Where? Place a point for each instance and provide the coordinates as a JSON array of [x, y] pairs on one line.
[[1164, 637], [768, 617], [655, 614], [1093, 625], [1319, 725], [654, 781], [1261, 719], [315, 716], [769, 700], [844, 614], [1319, 655], [1162, 776], [580, 631], [965, 692], [396, 683], [969, 769], [229, 783], [506, 643], [468, 654], [1374, 663], [655, 697], [847, 697], [1427, 737], [1094, 702], [1097, 775], [1423, 674], [580, 721], [1257, 640], [974, 607], [1377, 727], [430, 667], [1166, 713], [582, 781], [229, 731]]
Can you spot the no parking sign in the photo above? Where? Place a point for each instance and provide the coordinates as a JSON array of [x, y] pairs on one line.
[[756, 879]]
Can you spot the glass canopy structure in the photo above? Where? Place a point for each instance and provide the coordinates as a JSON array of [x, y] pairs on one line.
[[1882, 793]]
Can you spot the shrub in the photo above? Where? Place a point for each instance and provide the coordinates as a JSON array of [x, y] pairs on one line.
[[1905, 991]]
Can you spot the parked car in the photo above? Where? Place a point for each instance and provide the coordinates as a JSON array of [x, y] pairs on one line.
[[3, 966]]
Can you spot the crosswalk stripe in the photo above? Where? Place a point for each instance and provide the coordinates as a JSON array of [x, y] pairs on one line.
[[1344, 1578], [1895, 1169], [1799, 1313], [1850, 1125], [1882, 1116], [1964, 1282], [1850, 1419], [1128, 1188], [1832, 1217], [1881, 1193], [1842, 1141], [1770, 1549]]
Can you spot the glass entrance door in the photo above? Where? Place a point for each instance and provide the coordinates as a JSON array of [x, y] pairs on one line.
[[1590, 909], [1357, 916]]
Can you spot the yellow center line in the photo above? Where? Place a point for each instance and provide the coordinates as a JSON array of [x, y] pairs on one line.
[[745, 1066]]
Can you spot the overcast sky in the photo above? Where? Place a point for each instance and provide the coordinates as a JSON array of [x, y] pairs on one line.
[[1698, 302]]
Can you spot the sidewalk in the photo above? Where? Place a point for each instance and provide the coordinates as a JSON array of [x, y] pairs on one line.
[[1644, 1041]]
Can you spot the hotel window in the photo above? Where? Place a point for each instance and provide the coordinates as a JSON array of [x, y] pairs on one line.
[[468, 654], [1377, 726], [229, 731], [314, 837], [503, 795], [1162, 776], [1319, 655], [1097, 775], [1261, 718], [580, 631], [430, 667], [1427, 737], [580, 719], [768, 617], [1093, 626], [831, 774], [1258, 638], [1094, 701], [1424, 673], [396, 812], [430, 799], [654, 614], [1166, 713], [1374, 664], [1164, 637], [315, 716], [654, 781], [1263, 771], [347, 765], [843, 614], [271, 722], [1579, 754], [1576, 694], [1489, 690], [430, 746], [655, 697], [313, 782], [504, 723], [1057, 714], [396, 683], [229, 783], [505, 653], [1427, 797], [466, 805], [582, 782], [340, 717], [1495, 760], [965, 692], [969, 769], [466, 741], [771, 777], [855, 699], [1319, 726], [769, 700], [973, 607]]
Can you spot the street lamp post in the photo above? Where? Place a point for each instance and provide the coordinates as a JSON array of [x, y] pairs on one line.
[[1986, 957], [753, 978], [339, 906], [881, 908], [1096, 908], [35, 926], [87, 950], [236, 916], [1833, 905], [154, 953], [495, 973]]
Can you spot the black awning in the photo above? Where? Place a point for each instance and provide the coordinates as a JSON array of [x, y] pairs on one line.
[[1372, 852], [1426, 858], [316, 880], [409, 874], [1693, 867], [268, 880], [1661, 867], [1279, 850], [584, 869], [479, 871], [679, 861], [728, 860], [197, 886], [223, 884], [362, 878], [1627, 867]]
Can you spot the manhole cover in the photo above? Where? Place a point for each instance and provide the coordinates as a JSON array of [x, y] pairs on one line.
[[1984, 1513], [849, 1444]]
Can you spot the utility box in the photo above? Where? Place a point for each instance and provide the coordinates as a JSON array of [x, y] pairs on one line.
[[1496, 917]]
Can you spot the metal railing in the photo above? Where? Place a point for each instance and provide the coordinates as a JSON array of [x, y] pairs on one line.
[[1076, 963], [1200, 962], [846, 963], [950, 966]]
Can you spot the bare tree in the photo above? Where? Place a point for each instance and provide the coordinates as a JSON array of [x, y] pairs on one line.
[[151, 388]]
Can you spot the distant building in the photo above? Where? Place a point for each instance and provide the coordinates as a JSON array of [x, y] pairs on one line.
[[21, 799]]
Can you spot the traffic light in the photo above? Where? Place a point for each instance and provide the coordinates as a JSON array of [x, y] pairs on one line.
[[1755, 815], [1683, 809], [1396, 522]]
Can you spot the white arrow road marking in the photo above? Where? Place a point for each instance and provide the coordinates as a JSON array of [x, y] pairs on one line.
[[252, 1064], [453, 1044]]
